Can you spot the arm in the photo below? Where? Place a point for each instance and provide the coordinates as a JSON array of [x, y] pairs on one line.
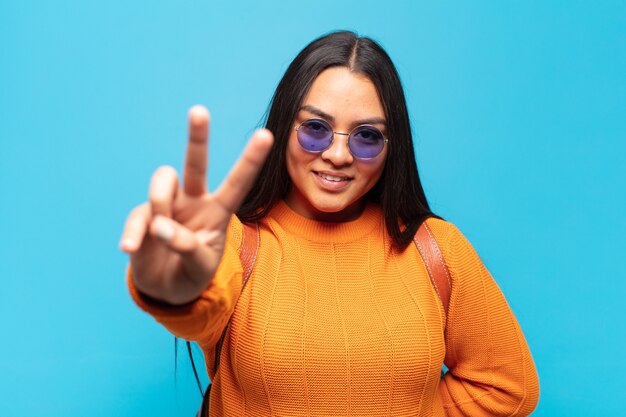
[[491, 371], [185, 269]]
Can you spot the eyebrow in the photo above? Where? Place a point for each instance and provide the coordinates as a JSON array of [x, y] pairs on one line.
[[324, 115]]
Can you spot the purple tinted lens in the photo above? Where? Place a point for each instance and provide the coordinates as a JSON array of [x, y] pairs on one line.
[[315, 135], [366, 142]]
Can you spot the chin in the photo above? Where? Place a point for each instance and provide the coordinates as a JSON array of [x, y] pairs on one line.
[[334, 211], [330, 205], [329, 208]]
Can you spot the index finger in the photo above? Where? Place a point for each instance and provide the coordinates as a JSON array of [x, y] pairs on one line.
[[239, 181], [194, 171]]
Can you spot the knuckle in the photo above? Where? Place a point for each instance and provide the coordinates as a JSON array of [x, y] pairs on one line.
[[158, 201], [138, 214], [196, 168], [235, 181]]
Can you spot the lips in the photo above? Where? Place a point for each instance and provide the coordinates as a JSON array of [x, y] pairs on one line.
[[332, 177], [332, 181]]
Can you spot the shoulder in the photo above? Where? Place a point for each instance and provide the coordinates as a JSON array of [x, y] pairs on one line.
[[443, 231], [452, 243]]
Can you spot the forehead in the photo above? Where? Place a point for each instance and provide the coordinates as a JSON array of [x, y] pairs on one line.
[[344, 94]]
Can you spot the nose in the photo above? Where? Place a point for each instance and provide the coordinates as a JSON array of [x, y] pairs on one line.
[[338, 153]]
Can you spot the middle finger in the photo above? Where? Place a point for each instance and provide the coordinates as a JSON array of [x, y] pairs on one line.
[[238, 182]]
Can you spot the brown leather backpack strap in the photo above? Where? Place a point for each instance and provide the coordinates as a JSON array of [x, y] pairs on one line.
[[249, 249], [435, 264]]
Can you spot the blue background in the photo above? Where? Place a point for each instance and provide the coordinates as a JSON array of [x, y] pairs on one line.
[[518, 108]]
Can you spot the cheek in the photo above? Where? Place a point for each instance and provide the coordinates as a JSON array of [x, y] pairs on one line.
[[374, 172]]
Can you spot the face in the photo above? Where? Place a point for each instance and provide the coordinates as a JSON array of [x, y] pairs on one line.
[[331, 185]]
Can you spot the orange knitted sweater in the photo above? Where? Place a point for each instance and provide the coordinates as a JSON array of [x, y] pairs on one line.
[[335, 321]]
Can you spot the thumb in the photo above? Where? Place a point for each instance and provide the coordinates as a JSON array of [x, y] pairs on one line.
[[199, 252], [173, 235]]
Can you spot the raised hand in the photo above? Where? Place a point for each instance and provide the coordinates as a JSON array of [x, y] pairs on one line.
[[176, 239]]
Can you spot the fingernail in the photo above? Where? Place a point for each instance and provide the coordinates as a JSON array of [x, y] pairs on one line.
[[163, 229]]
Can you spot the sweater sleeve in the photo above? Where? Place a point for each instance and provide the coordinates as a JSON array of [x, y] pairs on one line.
[[491, 371], [204, 319]]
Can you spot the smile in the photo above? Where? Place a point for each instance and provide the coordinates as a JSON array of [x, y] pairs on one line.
[[333, 178], [332, 183]]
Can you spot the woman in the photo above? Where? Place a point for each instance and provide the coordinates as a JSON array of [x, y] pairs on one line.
[[339, 316]]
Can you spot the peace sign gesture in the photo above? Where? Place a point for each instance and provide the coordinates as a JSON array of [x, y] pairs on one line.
[[176, 239]]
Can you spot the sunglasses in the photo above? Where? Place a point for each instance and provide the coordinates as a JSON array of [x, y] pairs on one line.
[[364, 141]]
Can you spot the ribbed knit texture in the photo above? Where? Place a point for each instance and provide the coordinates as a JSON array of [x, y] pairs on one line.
[[336, 322]]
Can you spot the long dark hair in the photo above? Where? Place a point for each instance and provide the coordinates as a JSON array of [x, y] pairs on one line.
[[399, 190]]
